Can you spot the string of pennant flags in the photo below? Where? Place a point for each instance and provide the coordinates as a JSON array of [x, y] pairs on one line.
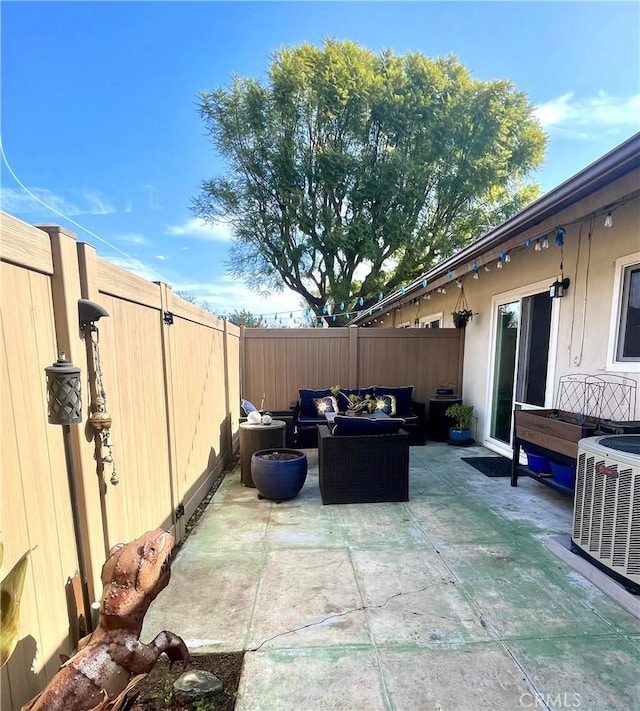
[[342, 313]]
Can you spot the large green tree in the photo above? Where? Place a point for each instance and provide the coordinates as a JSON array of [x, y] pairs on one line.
[[351, 173]]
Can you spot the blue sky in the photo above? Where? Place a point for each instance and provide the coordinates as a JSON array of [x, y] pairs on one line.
[[99, 101]]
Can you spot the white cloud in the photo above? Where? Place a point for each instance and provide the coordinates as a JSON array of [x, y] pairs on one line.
[[98, 205], [198, 228], [138, 268], [223, 296], [161, 257], [589, 116], [133, 238], [42, 200], [154, 202], [18, 201], [227, 295]]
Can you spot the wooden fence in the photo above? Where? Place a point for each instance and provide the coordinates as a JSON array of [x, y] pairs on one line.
[[172, 392], [276, 363], [173, 376]]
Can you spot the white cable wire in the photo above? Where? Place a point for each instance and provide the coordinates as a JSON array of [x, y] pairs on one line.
[[72, 221]]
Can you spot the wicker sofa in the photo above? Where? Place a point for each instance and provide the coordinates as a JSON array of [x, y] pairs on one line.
[[359, 469], [306, 418]]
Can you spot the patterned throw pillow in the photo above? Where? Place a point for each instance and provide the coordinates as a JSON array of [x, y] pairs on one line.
[[386, 404], [325, 404]]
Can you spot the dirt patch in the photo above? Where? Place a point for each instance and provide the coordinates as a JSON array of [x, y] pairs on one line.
[[155, 691]]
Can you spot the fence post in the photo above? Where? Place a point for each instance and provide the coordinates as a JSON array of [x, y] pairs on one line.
[[166, 299], [88, 272], [461, 341], [65, 288], [227, 402], [354, 381]]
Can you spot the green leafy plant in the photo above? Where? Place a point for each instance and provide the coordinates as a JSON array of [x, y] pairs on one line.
[[355, 403], [462, 414], [168, 693], [461, 317], [205, 705], [10, 594]]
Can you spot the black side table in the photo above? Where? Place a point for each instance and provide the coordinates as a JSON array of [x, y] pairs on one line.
[[253, 438], [439, 423]]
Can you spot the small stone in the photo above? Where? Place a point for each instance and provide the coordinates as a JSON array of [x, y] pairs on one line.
[[195, 683]]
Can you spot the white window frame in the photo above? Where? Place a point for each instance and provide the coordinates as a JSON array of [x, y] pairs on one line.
[[613, 365], [424, 320]]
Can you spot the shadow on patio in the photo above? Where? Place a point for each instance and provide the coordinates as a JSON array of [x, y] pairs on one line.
[[448, 601]]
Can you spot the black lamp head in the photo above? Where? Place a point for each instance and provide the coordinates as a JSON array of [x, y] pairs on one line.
[[89, 312], [558, 288]]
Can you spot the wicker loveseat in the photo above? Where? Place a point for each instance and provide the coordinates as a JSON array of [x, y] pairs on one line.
[[306, 418], [357, 469]]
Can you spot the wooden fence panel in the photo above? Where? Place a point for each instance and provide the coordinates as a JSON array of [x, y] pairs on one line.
[[34, 503], [199, 401], [173, 396], [233, 383], [278, 362], [425, 358], [130, 342]]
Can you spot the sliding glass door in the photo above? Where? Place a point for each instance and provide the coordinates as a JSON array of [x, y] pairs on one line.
[[523, 349], [504, 371]]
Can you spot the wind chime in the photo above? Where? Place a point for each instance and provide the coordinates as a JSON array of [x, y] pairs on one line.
[[99, 418]]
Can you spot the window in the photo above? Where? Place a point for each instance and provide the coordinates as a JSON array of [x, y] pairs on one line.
[[624, 341], [432, 321], [629, 333]]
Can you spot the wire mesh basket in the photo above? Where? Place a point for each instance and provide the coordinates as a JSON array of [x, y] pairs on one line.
[[611, 397]]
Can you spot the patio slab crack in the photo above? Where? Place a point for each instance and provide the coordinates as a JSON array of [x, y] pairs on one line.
[[361, 608]]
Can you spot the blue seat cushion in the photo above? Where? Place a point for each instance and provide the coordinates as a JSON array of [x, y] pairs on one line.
[[402, 395], [347, 426], [312, 420]]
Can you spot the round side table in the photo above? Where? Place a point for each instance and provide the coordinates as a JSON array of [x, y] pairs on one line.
[[254, 438]]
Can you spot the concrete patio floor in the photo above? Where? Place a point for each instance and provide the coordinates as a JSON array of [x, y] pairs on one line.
[[448, 601]]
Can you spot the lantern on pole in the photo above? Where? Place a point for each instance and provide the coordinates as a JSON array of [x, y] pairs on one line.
[[64, 406]]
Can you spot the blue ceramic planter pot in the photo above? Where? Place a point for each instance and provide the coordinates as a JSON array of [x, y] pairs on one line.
[[279, 474], [457, 436]]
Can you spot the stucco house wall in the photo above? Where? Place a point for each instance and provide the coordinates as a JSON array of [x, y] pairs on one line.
[[584, 320]]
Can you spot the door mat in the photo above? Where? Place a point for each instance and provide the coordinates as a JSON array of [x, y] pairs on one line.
[[490, 466]]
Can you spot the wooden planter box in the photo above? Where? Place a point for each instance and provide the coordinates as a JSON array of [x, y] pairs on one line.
[[559, 433]]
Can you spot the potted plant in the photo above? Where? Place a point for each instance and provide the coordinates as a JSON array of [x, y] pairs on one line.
[[355, 403], [461, 317], [461, 312], [463, 416]]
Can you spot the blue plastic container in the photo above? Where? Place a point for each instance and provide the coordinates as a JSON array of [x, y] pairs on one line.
[[563, 474], [538, 463]]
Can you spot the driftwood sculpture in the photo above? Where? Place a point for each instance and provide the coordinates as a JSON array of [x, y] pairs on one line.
[[109, 658]]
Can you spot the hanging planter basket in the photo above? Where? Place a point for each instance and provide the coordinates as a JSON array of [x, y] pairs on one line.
[[461, 314]]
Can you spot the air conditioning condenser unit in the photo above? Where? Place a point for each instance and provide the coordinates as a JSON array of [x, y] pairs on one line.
[[606, 511]]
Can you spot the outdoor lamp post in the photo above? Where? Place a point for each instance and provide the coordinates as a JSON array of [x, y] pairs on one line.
[[64, 405]]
